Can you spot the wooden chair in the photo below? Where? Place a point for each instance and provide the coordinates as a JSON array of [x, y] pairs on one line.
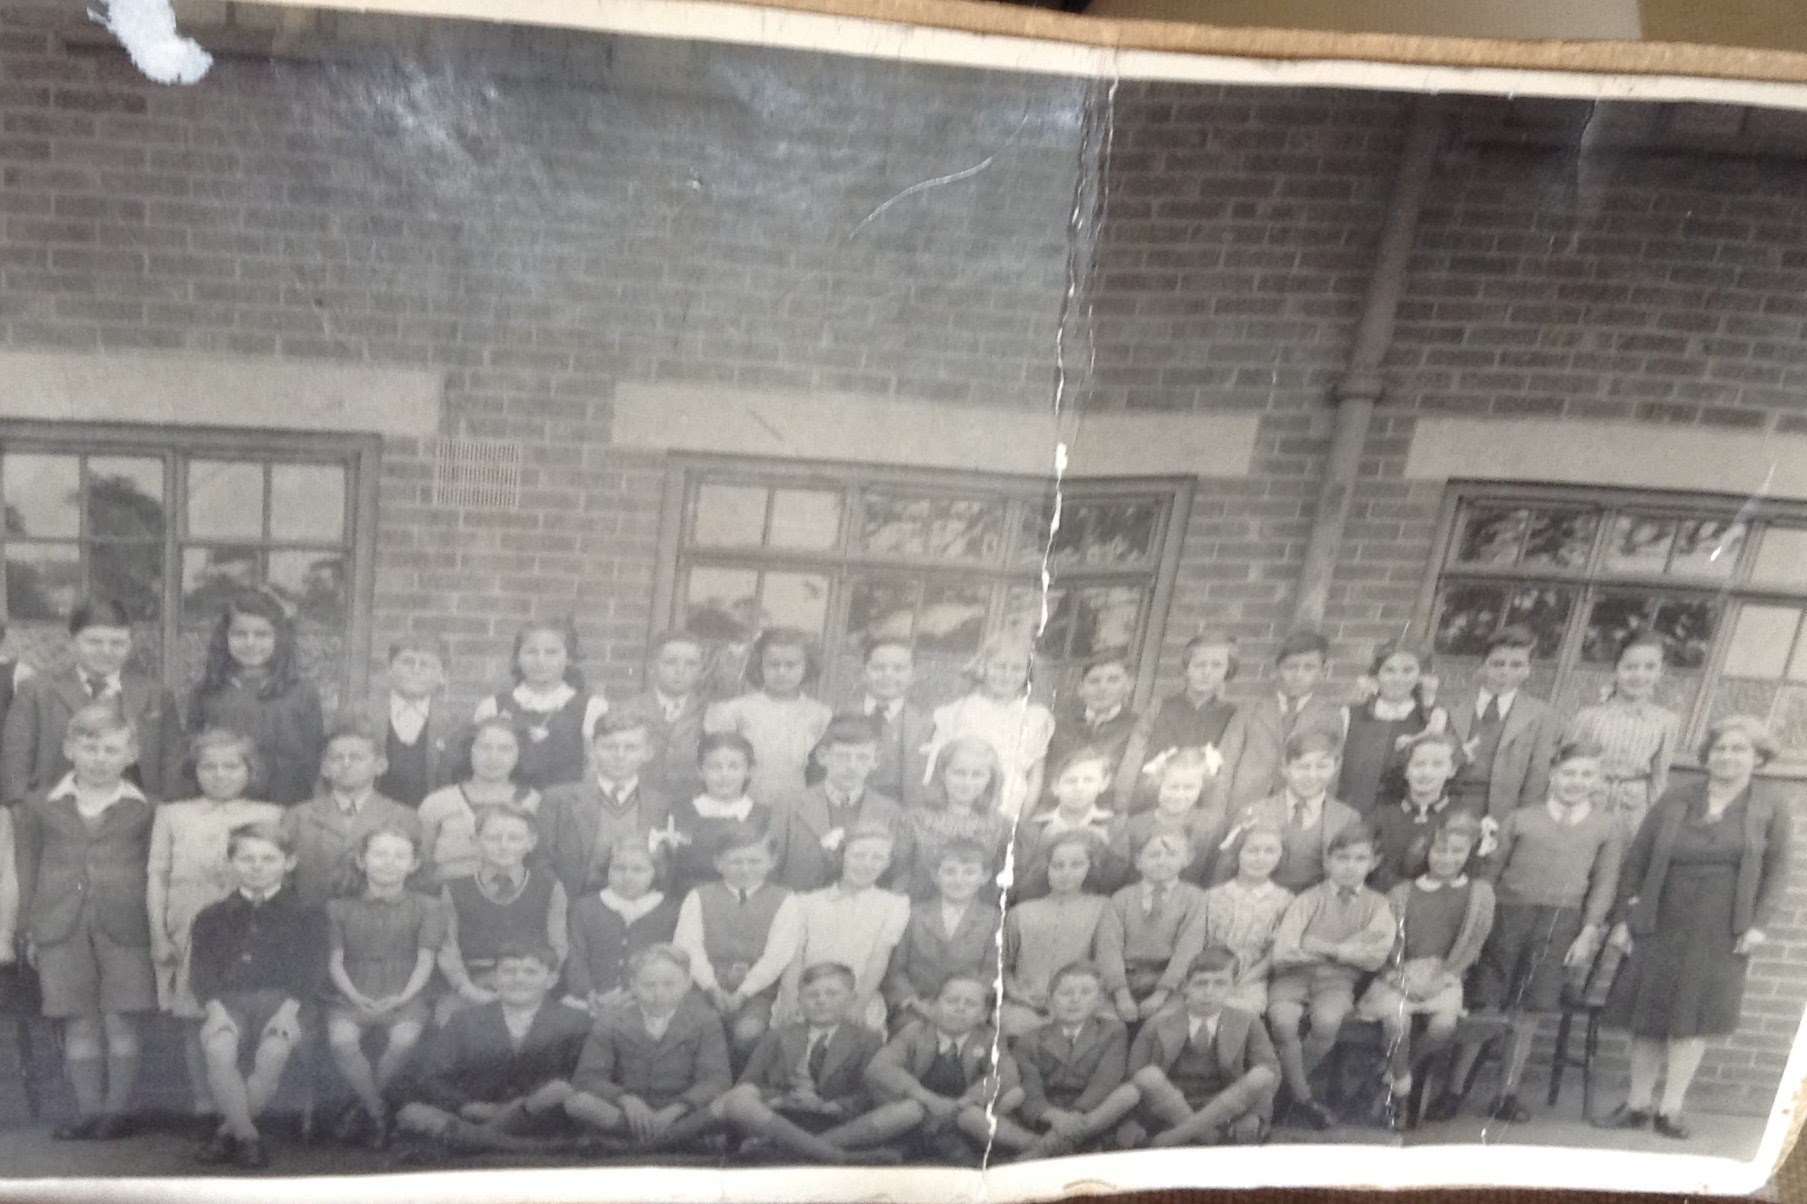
[[1588, 1000]]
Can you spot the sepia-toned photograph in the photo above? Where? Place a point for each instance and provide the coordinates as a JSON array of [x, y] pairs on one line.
[[580, 600]]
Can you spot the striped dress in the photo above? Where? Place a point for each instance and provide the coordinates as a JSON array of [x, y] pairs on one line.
[[1242, 919], [1640, 740]]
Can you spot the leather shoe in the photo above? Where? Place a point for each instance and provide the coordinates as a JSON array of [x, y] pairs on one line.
[[77, 1130], [1315, 1114], [251, 1155], [1508, 1109], [1673, 1126], [1624, 1117], [217, 1151], [112, 1127], [1446, 1106]]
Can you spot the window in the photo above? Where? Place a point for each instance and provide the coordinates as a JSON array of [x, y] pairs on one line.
[[941, 560], [1723, 582], [173, 523]]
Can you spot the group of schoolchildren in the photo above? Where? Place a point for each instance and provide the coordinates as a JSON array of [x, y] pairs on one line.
[[671, 922]]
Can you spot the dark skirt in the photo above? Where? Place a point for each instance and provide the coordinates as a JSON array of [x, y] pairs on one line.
[[1683, 980]]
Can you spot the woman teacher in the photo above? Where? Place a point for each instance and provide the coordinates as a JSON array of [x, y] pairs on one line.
[[1698, 887]]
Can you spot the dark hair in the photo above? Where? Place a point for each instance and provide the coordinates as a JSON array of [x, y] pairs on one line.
[[734, 740], [1512, 635], [527, 951], [1311, 738], [1107, 656], [1302, 641], [354, 723], [961, 849], [99, 612], [1445, 738], [486, 816], [821, 970], [565, 630], [673, 636], [264, 830], [1212, 959], [1571, 750], [849, 727], [395, 830], [977, 980], [742, 835], [1080, 969], [419, 641], [1212, 639], [219, 669], [784, 637], [1392, 648], [1348, 836], [873, 643]]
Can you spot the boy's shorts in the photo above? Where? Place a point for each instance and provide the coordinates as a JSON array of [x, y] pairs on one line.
[[415, 1012], [1520, 968], [1313, 987], [1384, 1000], [93, 974], [1143, 977], [251, 1011]]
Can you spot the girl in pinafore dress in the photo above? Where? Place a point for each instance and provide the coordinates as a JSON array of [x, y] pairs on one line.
[[1378, 734], [1638, 737], [962, 805], [252, 683], [999, 711], [552, 713], [777, 717], [189, 871]]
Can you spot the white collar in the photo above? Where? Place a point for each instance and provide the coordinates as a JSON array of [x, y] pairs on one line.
[[657, 1025], [822, 1032], [1292, 706], [618, 789], [1312, 805], [401, 702], [542, 701], [256, 900], [710, 808], [110, 682], [631, 910], [1483, 694], [945, 1043], [1071, 1032], [1094, 718], [1194, 1023], [1420, 814], [875, 705], [1394, 711], [354, 803], [1149, 888], [67, 789], [1569, 817], [1056, 823], [671, 706], [837, 799], [1426, 882]]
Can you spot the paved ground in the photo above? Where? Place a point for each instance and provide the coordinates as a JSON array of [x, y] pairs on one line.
[[29, 1151]]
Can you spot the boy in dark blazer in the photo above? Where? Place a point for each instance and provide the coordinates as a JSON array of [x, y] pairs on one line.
[[812, 826], [420, 745], [616, 803], [1508, 737], [498, 1075], [905, 730], [1074, 1067], [937, 1079], [31, 744], [673, 706], [1103, 720], [953, 933], [1257, 733], [1206, 1073], [326, 832], [809, 1076]]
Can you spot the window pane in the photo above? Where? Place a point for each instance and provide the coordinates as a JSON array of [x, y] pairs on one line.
[[1612, 621], [939, 528], [1545, 611], [225, 500], [722, 604], [1559, 539], [952, 619], [41, 494], [1687, 626], [805, 519], [1781, 557], [1032, 531], [795, 600], [312, 582], [1760, 641], [1743, 696], [1492, 535], [1707, 547], [1466, 616], [1104, 534], [132, 573], [880, 607], [1788, 719], [1639, 544], [307, 502], [211, 576], [43, 581], [125, 498], [1105, 620], [730, 516], [1023, 615]]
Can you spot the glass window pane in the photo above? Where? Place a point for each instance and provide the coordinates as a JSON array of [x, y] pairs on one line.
[[125, 498], [880, 607], [43, 580], [1611, 622], [307, 502], [1559, 539], [1788, 720], [952, 619], [132, 573], [1545, 611], [1743, 696], [1023, 615], [722, 604], [940, 528], [1467, 616], [1781, 557], [1707, 547], [894, 526], [730, 516], [1105, 620], [1104, 534], [225, 500], [1492, 535], [1797, 664], [795, 600], [211, 576], [1760, 641], [1032, 531], [1639, 544], [806, 519], [41, 494], [1687, 626], [312, 582]]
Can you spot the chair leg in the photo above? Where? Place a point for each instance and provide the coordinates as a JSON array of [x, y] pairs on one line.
[[1559, 1060], [28, 1067], [1591, 1048]]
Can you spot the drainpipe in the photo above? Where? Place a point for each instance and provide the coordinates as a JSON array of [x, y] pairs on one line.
[[1360, 386]]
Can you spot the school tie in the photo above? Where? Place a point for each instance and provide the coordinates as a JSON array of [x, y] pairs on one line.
[[1490, 714], [1299, 813], [1201, 1040], [817, 1057], [96, 685], [741, 895], [1157, 898]]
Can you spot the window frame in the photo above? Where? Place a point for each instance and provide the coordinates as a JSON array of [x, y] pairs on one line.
[[852, 479], [176, 446], [1728, 595]]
